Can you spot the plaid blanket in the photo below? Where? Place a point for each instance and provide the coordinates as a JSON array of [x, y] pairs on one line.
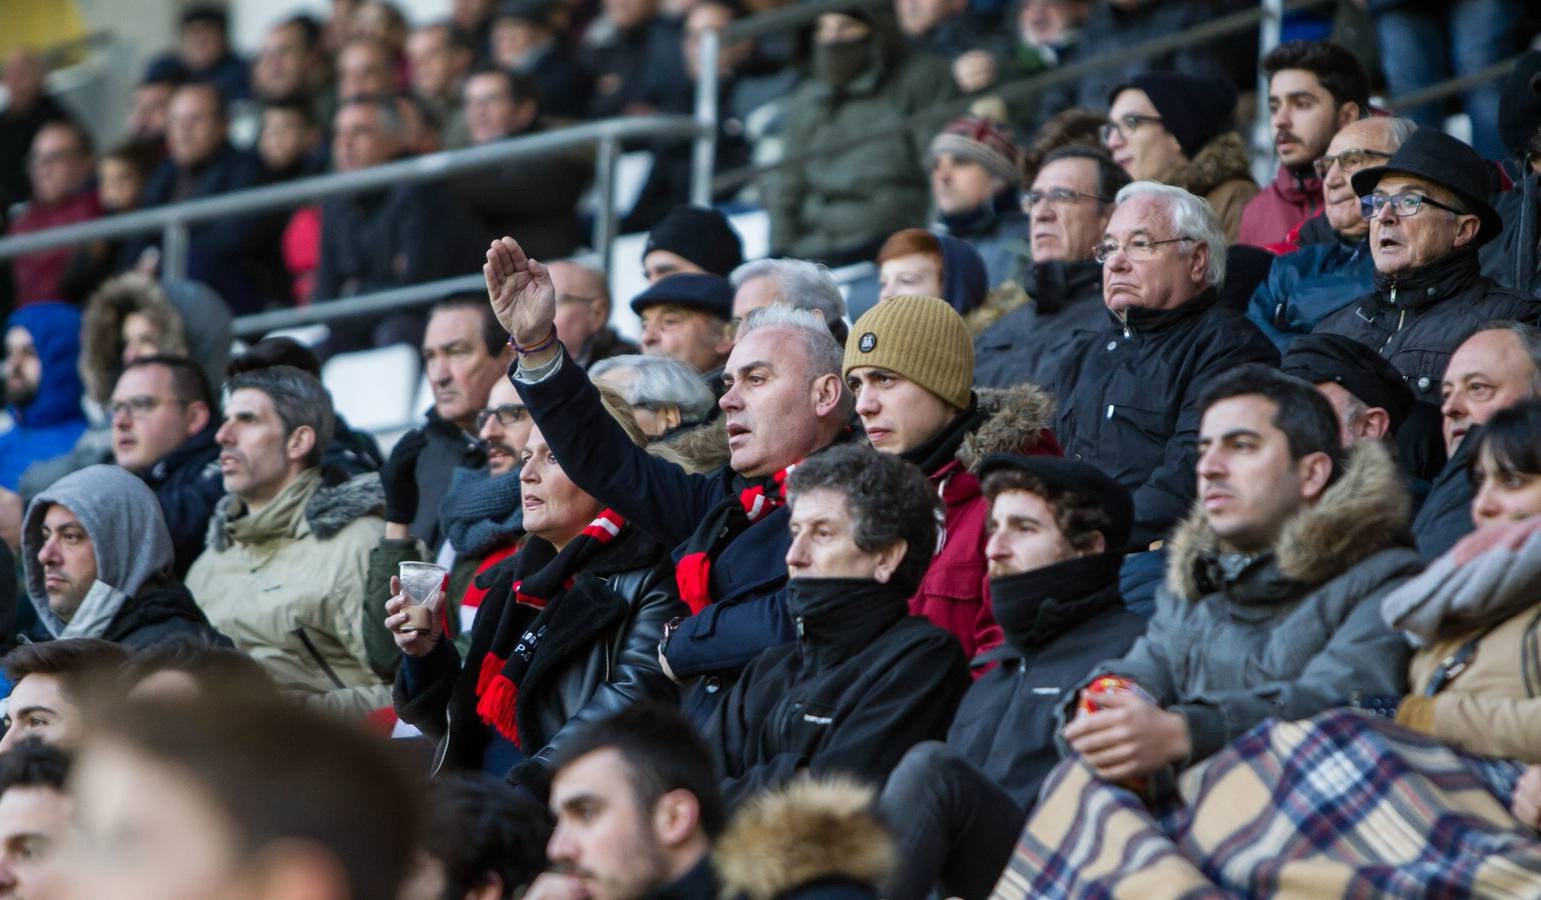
[[1342, 805]]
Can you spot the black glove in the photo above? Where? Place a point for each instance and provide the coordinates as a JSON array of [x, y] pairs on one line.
[[399, 477]]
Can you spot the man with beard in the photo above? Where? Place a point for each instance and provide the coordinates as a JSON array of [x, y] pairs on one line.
[[42, 387]]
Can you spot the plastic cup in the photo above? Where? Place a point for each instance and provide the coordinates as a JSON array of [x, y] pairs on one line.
[[421, 583]]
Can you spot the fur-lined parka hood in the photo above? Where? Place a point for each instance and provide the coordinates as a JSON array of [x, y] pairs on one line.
[[1222, 159], [697, 449], [1018, 418], [806, 832], [1362, 513], [336, 501]]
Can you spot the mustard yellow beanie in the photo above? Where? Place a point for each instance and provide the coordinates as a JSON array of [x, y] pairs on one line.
[[922, 338]]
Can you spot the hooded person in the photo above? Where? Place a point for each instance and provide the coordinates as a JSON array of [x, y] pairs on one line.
[[920, 262], [1512, 260], [42, 387], [98, 560]]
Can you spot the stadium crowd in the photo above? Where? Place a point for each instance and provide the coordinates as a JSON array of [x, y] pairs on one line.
[[1138, 530]]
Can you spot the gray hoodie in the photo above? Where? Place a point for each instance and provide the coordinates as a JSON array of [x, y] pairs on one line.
[[128, 534]]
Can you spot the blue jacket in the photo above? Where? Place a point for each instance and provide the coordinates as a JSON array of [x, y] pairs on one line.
[[1306, 286], [52, 421]]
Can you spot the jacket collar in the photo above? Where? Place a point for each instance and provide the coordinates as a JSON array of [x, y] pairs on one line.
[[1138, 319], [700, 883], [1298, 189], [319, 502], [1058, 284], [1426, 285], [838, 617], [983, 219], [1035, 607], [189, 452]]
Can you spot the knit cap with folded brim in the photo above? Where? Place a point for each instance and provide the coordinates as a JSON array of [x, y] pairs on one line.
[[921, 338], [982, 141]]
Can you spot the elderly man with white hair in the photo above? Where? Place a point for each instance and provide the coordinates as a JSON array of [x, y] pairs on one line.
[[798, 283], [1127, 392], [664, 394]]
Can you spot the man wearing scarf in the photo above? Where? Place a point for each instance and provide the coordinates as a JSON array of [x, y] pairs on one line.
[[784, 401], [910, 363]]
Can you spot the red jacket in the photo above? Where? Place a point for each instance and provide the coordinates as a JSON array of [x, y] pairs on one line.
[[1282, 204], [955, 593], [38, 274]]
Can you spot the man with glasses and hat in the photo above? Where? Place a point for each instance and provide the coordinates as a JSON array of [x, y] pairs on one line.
[[1428, 215]]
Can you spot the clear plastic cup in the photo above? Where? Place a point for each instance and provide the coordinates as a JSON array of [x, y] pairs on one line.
[[421, 583]]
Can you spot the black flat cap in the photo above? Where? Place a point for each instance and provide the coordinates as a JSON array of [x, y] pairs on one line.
[[1078, 478], [1320, 358], [692, 290]]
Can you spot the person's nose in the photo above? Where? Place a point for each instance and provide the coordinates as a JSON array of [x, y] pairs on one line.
[[995, 546], [867, 404], [49, 552], [122, 418], [650, 334], [797, 552], [438, 371], [1484, 506], [1211, 465], [1115, 139], [491, 430], [225, 436], [731, 401], [561, 847], [1454, 407], [1281, 118]]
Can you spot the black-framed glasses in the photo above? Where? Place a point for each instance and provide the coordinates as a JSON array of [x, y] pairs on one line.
[[1128, 122], [1137, 249], [1350, 160], [1405, 205], [138, 407], [1057, 197], [508, 414]]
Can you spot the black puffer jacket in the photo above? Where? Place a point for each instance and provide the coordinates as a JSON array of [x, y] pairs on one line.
[[1511, 259], [1417, 318], [188, 483], [1128, 399], [1027, 344], [447, 448], [1445, 517]]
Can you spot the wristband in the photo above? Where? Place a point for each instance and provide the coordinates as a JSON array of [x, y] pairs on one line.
[[546, 344]]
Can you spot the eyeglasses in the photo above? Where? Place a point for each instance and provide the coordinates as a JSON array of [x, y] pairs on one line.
[[137, 407], [1057, 197], [508, 414], [1138, 249], [1351, 160], [1405, 205], [1129, 122]]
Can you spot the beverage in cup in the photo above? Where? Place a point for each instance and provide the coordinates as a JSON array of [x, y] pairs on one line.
[[421, 583]]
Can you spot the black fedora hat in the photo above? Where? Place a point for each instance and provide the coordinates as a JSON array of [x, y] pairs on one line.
[[1432, 155]]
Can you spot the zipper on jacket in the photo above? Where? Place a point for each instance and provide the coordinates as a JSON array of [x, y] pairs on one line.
[[316, 655]]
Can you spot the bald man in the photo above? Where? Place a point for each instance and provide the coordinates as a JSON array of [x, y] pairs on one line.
[[583, 314], [1334, 265]]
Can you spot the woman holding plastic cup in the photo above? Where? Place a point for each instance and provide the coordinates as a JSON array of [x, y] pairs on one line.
[[568, 631]]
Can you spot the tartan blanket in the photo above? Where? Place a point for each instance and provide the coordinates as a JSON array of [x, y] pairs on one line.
[[1342, 805]]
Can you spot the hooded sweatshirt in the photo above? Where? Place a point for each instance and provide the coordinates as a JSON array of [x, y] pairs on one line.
[[965, 280], [51, 421]]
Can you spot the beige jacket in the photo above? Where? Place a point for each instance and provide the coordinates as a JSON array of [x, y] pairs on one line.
[[287, 585]]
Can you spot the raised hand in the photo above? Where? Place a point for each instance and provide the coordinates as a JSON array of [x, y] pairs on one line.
[[521, 292]]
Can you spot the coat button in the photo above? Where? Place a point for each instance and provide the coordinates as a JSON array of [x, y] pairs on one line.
[[1423, 383], [1112, 345], [713, 684]]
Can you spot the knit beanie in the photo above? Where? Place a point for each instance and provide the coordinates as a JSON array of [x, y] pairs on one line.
[[1196, 109], [982, 141], [700, 235], [922, 338]]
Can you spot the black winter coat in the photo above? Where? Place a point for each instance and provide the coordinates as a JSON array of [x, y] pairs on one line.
[[1512, 259], [447, 448], [1028, 343], [1445, 516], [188, 483], [864, 682], [404, 235], [1128, 400], [164, 609], [1416, 319], [1060, 622]]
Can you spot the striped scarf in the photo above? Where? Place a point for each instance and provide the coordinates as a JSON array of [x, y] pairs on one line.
[[753, 499]]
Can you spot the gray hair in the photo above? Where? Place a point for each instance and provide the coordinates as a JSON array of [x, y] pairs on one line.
[[298, 398], [1193, 218], [825, 356], [804, 284], [659, 382], [1400, 130], [1529, 337]]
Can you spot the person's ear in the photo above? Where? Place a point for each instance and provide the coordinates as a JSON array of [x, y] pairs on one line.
[[671, 416], [676, 817], [1198, 264], [1349, 113], [889, 559], [1098, 545], [1466, 228], [197, 417], [725, 339], [491, 889], [599, 313], [301, 441], [1374, 424], [1315, 470], [827, 393]]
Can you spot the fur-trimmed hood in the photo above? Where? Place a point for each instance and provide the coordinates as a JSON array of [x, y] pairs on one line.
[[1018, 418], [806, 832], [697, 449], [1362, 513], [334, 503], [1002, 299], [1222, 159]]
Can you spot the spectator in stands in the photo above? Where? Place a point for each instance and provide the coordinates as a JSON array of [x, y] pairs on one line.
[[1179, 130], [637, 808], [798, 283], [289, 144], [1162, 255], [291, 65], [216, 802], [1335, 263], [944, 28], [60, 165], [486, 837], [525, 38], [843, 201], [42, 387], [183, 667], [365, 69], [1047, 33], [439, 60], [121, 174], [1514, 258], [1057, 533], [203, 53], [236, 256], [685, 317], [98, 561], [163, 421], [691, 239], [915, 261], [636, 63], [1371, 400], [464, 355], [876, 680], [570, 633], [50, 681], [1315, 89], [784, 402], [583, 314], [1497, 367], [1070, 203], [976, 175], [296, 538], [535, 198], [664, 394], [28, 108], [1428, 215], [150, 112], [910, 369], [1118, 25], [35, 819]]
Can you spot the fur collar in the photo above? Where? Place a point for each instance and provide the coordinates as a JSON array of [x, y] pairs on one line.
[[1222, 159], [1364, 512], [1016, 419], [804, 832], [336, 503], [1001, 300]]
